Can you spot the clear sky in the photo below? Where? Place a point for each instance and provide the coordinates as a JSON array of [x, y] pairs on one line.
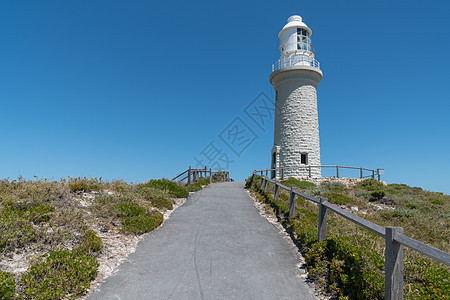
[[136, 90]]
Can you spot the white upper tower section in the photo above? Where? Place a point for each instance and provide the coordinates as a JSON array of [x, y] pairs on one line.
[[296, 48]]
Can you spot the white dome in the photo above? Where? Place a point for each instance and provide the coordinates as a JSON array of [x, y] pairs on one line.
[[295, 21]]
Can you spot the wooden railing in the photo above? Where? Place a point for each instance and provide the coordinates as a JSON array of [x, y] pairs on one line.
[[280, 171], [394, 238], [193, 175]]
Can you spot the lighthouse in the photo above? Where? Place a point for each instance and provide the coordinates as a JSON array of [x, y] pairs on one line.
[[295, 77]]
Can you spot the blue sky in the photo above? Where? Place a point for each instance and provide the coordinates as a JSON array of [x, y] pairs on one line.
[[136, 90]]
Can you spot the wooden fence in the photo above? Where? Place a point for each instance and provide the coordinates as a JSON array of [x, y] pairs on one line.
[[279, 172], [193, 175], [394, 238]]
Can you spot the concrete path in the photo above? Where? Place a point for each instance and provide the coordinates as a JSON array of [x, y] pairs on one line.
[[216, 246]]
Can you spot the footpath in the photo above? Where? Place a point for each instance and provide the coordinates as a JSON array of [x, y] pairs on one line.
[[215, 246]]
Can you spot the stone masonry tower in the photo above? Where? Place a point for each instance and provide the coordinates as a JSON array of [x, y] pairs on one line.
[[295, 77]]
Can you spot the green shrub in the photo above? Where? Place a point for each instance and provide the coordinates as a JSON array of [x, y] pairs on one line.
[[59, 275], [136, 219], [7, 285], [204, 181], [195, 187], [218, 176], [338, 199], [300, 184], [139, 224], [412, 205], [174, 190], [17, 220], [427, 280], [370, 185], [436, 201], [334, 186], [162, 202], [92, 243], [248, 181], [348, 269], [378, 194], [126, 209], [79, 187]]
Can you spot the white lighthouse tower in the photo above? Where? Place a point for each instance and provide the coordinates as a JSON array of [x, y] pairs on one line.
[[295, 77]]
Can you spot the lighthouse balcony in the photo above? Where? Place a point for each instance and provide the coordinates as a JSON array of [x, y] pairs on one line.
[[297, 59]]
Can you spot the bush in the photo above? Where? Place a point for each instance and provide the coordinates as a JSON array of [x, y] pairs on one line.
[[334, 186], [84, 185], [136, 219], [195, 187], [174, 190], [91, 244], [218, 176], [370, 185], [378, 194], [142, 223], [7, 285], [204, 181], [338, 199], [17, 220], [60, 274], [126, 209], [436, 201], [348, 269], [428, 280], [162, 202], [293, 182]]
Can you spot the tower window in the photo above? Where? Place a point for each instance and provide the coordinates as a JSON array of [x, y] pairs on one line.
[[304, 158], [303, 41]]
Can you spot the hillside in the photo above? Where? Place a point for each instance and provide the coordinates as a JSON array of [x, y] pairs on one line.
[[349, 264], [58, 239]]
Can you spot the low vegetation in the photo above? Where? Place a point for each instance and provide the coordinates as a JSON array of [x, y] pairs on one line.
[[60, 222], [349, 264]]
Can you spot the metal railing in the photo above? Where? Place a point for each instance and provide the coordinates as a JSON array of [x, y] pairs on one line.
[[295, 59], [193, 175], [279, 172], [393, 236]]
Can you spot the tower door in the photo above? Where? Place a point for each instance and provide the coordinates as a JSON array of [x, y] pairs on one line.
[[274, 165]]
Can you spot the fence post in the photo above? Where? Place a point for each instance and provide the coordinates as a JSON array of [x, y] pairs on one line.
[[393, 279], [253, 177], [267, 172], [361, 173], [292, 202], [262, 183], [373, 174], [277, 191], [309, 171], [282, 174], [266, 185], [337, 171], [322, 219], [189, 177]]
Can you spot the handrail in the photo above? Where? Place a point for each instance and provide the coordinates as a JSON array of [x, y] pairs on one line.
[[338, 167], [393, 236], [295, 59], [197, 173], [425, 249]]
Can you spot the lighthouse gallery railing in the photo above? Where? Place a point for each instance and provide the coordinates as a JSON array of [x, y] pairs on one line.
[[295, 59]]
